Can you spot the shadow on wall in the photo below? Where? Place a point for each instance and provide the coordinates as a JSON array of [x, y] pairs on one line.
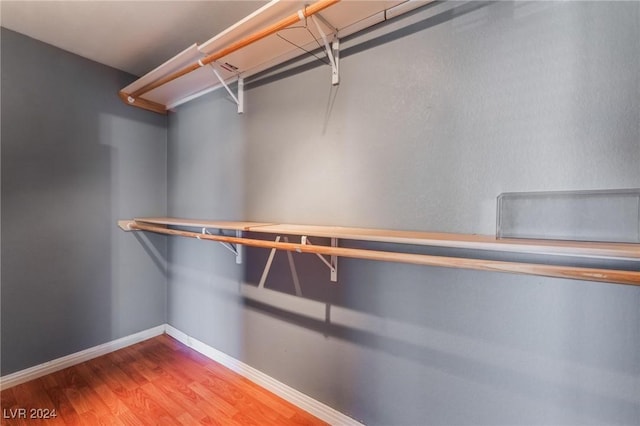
[[448, 321], [485, 347], [56, 199], [64, 131]]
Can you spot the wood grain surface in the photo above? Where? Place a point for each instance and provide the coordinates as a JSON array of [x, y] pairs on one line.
[[629, 277], [252, 38], [155, 382], [594, 250]]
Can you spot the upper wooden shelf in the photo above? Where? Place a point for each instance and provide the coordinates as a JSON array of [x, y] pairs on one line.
[[626, 252], [194, 223], [275, 33]]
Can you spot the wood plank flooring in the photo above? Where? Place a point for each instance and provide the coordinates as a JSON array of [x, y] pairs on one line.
[[156, 382]]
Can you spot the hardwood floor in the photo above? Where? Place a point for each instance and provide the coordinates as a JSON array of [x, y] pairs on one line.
[[156, 382]]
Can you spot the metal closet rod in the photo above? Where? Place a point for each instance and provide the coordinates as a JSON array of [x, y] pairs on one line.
[[280, 25], [556, 271]]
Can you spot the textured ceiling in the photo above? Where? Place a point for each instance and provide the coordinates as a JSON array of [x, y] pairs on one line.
[[133, 36]]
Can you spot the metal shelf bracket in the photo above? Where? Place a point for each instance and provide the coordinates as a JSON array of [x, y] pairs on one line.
[[239, 100], [235, 249], [332, 263], [333, 50]]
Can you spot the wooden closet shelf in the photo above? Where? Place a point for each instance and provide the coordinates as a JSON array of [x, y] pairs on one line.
[[277, 32], [195, 223], [601, 251]]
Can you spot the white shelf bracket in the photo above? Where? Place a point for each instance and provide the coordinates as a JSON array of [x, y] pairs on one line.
[[333, 51], [240, 95], [237, 249], [332, 263], [335, 72], [239, 100]]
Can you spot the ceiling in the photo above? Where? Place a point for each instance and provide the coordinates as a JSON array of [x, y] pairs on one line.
[[133, 36]]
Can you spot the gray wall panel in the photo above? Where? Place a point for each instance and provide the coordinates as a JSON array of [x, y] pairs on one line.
[[435, 116], [74, 160], [205, 180]]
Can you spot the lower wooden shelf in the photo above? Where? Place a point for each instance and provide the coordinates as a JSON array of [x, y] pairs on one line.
[[628, 253]]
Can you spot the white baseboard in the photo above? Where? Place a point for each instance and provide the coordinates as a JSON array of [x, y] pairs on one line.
[[305, 402], [49, 367]]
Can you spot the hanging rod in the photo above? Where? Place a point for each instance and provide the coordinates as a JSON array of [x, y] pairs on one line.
[[545, 270], [280, 25]]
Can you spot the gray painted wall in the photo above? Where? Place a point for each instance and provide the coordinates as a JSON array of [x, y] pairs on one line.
[[435, 115], [74, 160]]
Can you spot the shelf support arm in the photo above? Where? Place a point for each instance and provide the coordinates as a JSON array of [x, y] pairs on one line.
[[236, 250], [239, 248], [332, 263], [332, 52], [239, 100]]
